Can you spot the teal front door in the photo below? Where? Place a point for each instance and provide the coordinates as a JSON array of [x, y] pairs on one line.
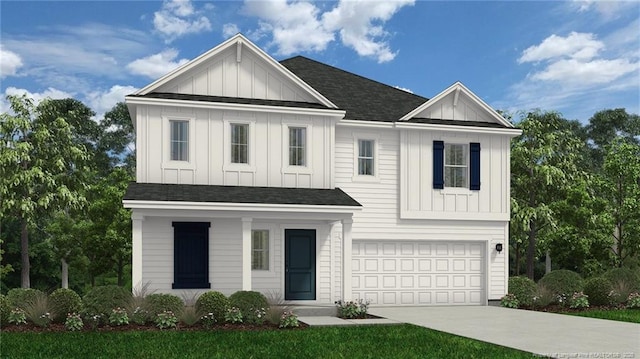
[[300, 264]]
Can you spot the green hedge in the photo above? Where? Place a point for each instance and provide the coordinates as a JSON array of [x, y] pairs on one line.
[[62, 302], [213, 302], [102, 300], [523, 288], [563, 282]]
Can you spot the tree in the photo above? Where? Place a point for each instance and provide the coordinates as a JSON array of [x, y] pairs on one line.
[[620, 187], [38, 161], [116, 143], [543, 165], [605, 127]]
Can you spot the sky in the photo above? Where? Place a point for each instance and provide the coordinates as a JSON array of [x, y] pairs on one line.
[[574, 57]]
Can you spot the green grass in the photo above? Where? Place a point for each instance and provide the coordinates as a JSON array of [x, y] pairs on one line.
[[397, 341], [621, 315]]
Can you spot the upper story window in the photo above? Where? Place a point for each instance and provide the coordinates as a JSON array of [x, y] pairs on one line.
[[297, 146], [239, 143], [179, 140], [455, 165], [260, 250], [365, 157]]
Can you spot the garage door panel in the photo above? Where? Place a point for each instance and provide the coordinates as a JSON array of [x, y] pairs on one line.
[[424, 273]]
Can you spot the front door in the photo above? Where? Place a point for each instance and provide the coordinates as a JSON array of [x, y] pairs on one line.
[[300, 264]]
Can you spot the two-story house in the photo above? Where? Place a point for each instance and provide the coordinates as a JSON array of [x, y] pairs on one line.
[[298, 178]]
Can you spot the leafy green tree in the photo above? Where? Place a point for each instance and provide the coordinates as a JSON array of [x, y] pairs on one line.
[[116, 143], [38, 160], [606, 126], [543, 165]]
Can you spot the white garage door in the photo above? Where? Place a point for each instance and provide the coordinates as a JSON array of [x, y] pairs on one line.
[[418, 273]]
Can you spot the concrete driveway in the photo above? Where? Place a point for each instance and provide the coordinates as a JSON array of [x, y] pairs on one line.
[[548, 334]]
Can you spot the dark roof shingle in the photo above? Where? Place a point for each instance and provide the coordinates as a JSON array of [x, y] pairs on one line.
[[362, 98], [238, 194]]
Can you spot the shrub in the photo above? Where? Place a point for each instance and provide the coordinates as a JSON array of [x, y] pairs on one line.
[[208, 320], [277, 308], [233, 315], [20, 297], [64, 301], [101, 300], [563, 283], [213, 302], [166, 319], [509, 301], [353, 309], [159, 303], [626, 277], [5, 309], [523, 288], [252, 305], [189, 316], [73, 322], [17, 316], [289, 320], [118, 317], [579, 301], [633, 301], [598, 289], [543, 297], [38, 311]]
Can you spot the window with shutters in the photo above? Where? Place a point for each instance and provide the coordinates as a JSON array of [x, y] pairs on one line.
[[455, 165]]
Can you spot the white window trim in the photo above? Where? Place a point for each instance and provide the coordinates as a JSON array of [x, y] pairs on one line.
[[271, 270], [167, 162], [451, 189], [357, 136], [286, 168], [251, 151]]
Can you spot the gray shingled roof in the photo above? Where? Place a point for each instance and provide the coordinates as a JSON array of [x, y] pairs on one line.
[[238, 194], [239, 100], [362, 98]]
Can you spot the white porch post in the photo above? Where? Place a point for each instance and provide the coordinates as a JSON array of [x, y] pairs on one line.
[[346, 258], [246, 253], [136, 249]]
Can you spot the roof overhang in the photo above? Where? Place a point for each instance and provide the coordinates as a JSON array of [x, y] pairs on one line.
[[136, 100], [238, 207], [513, 132]]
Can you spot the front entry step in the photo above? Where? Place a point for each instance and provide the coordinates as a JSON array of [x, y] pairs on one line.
[[314, 311]]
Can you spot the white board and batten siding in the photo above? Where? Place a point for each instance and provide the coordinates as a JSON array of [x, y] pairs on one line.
[[381, 222], [209, 149]]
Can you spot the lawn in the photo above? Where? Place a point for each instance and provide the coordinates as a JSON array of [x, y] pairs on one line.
[[384, 341], [622, 315]]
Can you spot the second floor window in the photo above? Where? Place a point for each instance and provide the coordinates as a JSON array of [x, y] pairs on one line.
[[297, 146], [365, 157], [239, 143], [455, 165], [179, 140]]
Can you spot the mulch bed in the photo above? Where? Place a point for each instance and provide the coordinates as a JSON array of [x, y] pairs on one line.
[[557, 308], [56, 327]]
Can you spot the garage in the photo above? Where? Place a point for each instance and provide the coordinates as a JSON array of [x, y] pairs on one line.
[[419, 272]]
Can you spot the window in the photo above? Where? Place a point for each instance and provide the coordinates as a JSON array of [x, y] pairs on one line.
[[179, 140], [297, 146], [455, 165], [260, 250], [239, 143], [365, 157], [191, 255]]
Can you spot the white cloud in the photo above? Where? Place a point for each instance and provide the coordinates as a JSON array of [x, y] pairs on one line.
[[576, 45], [360, 25], [102, 101], [51, 93], [10, 63], [178, 18], [297, 26], [294, 26], [572, 71], [156, 65], [608, 9], [229, 30]]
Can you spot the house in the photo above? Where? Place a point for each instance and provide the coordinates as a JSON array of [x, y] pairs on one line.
[[301, 179]]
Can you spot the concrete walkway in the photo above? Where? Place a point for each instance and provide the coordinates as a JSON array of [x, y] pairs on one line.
[[548, 334]]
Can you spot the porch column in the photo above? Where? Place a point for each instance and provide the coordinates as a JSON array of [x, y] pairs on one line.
[[136, 249], [346, 258], [246, 253]]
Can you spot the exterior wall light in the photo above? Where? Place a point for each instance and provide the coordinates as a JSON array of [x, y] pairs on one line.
[[499, 247]]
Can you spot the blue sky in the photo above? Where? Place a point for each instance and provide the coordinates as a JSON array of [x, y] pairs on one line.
[[575, 57]]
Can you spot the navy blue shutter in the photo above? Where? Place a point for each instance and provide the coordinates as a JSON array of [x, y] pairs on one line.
[[438, 164], [474, 168]]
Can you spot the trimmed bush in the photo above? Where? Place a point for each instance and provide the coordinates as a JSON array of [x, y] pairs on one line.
[[524, 290], [628, 277], [252, 305], [21, 297], [62, 302], [598, 289], [5, 309], [213, 302], [563, 283], [102, 300], [159, 303]]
